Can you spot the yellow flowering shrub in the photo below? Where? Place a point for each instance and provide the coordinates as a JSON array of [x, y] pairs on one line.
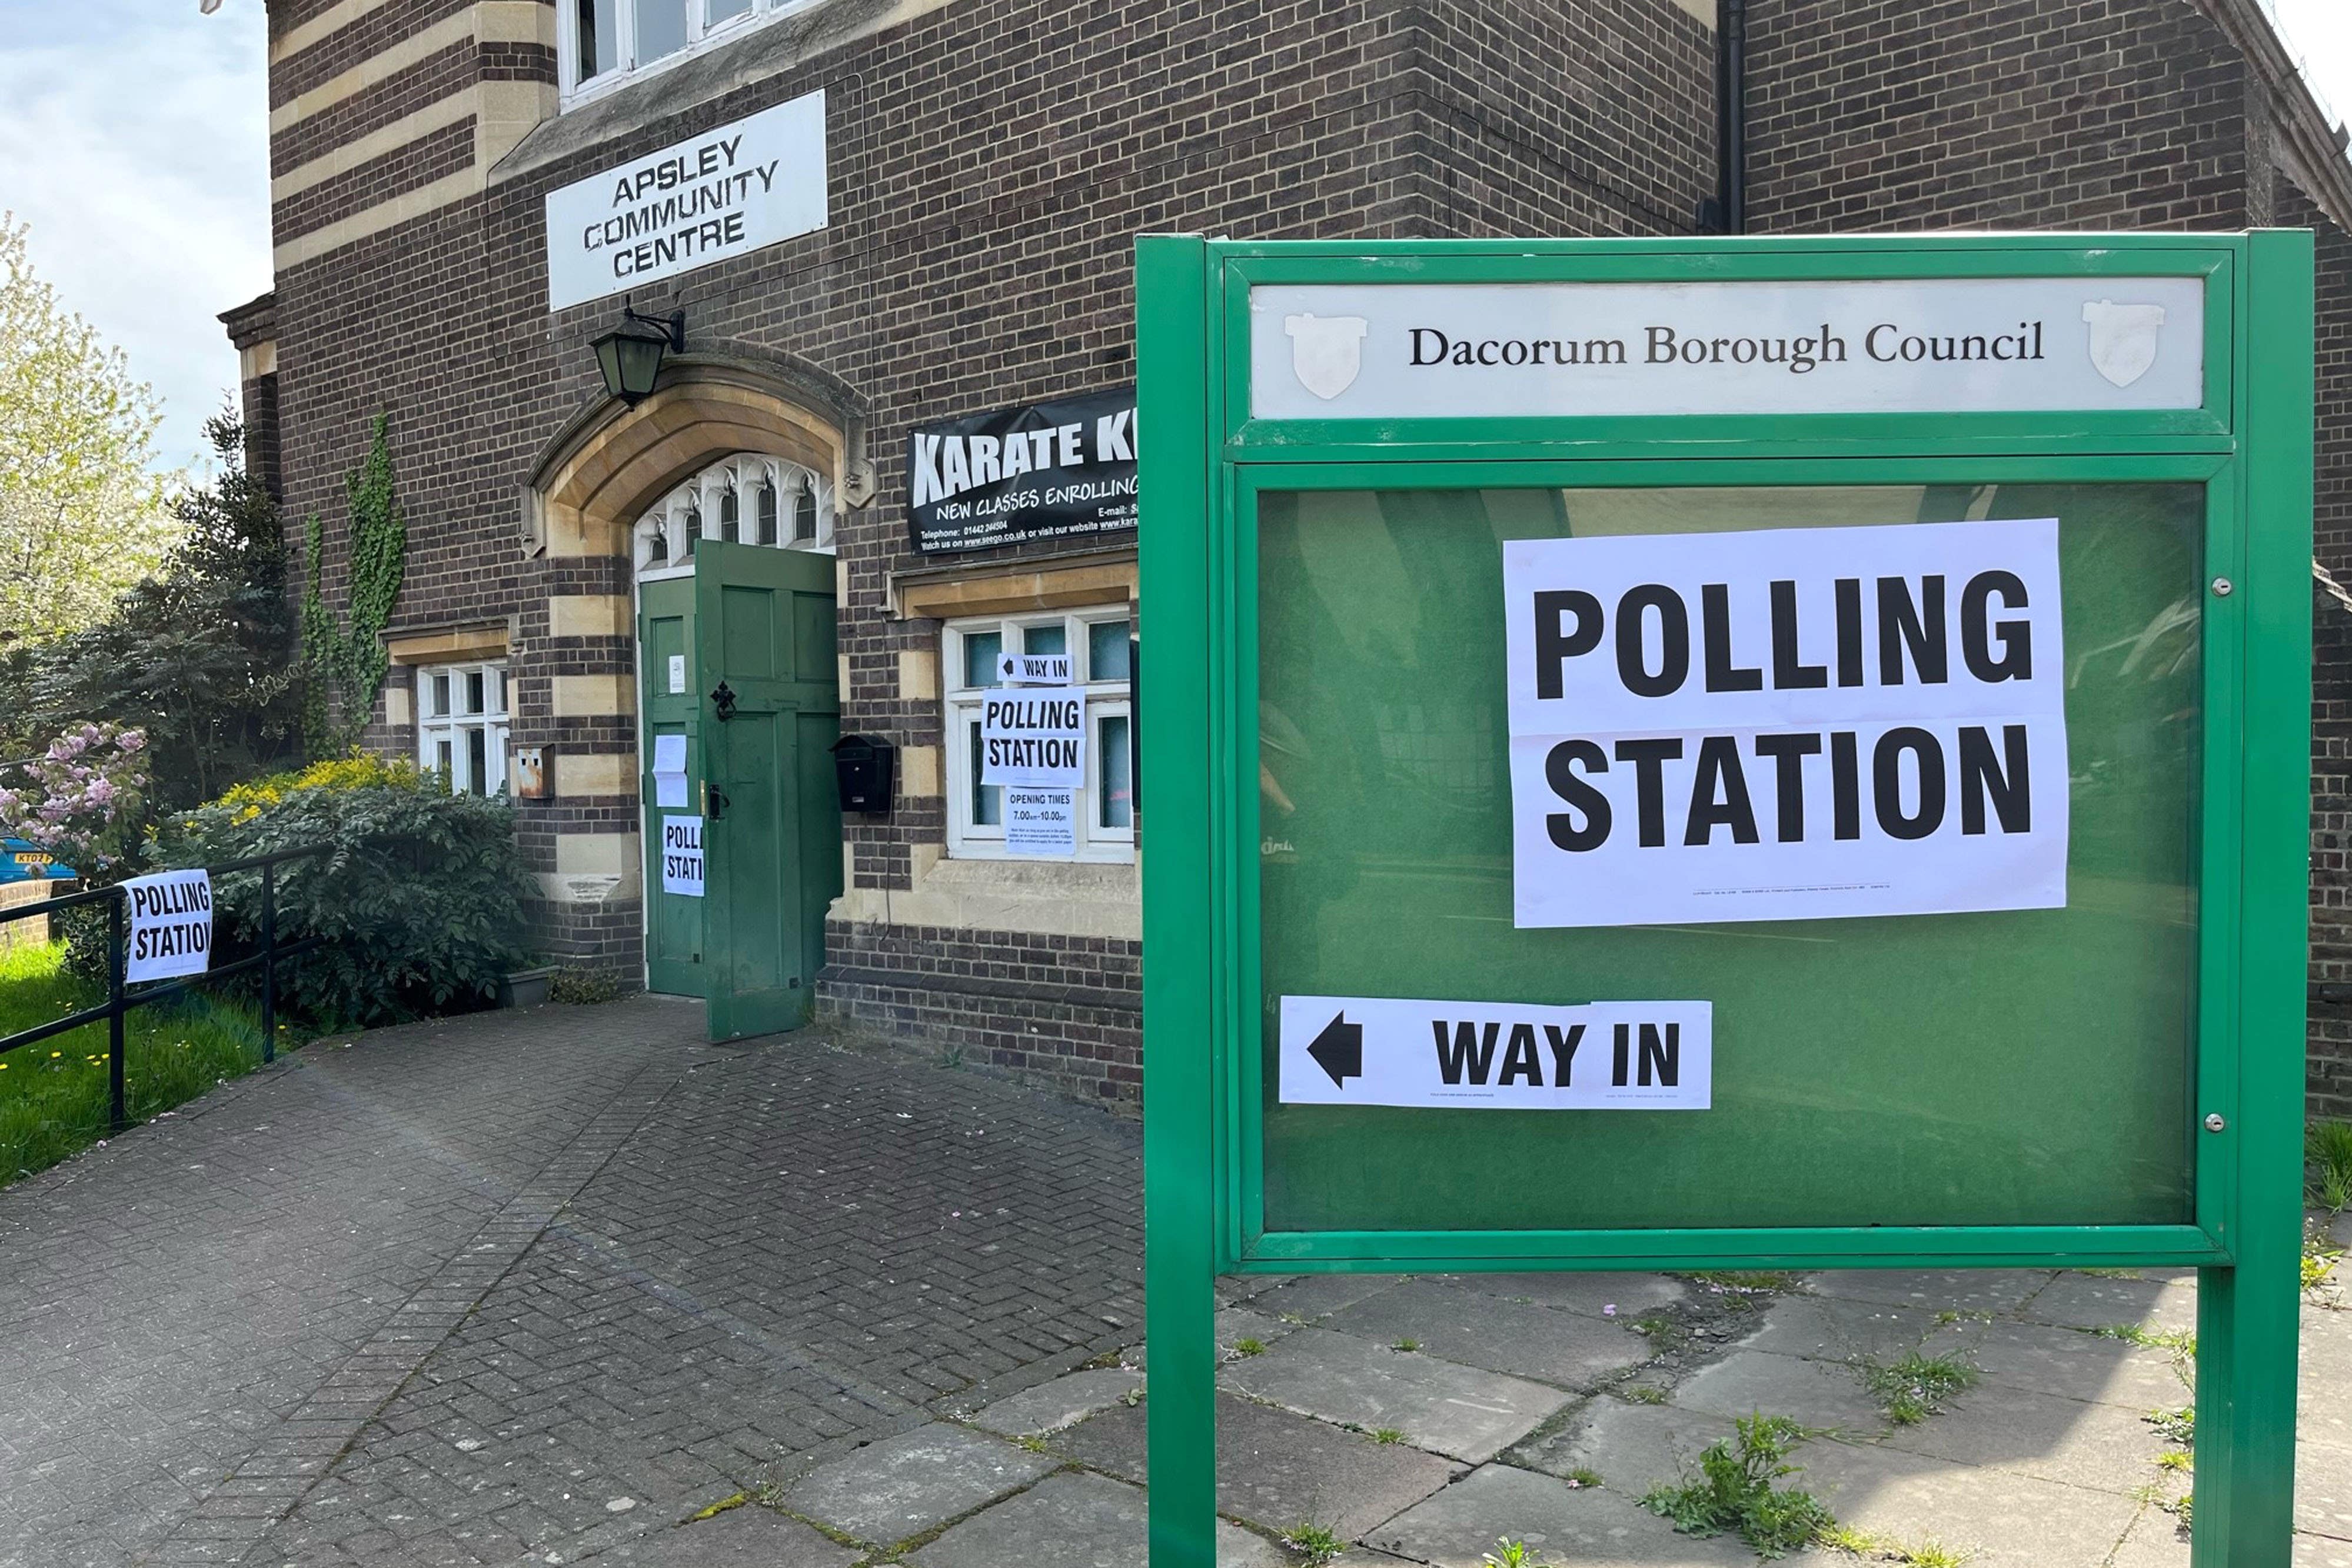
[[360, 770]]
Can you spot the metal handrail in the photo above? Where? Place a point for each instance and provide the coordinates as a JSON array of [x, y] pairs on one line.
[[120, 1000]]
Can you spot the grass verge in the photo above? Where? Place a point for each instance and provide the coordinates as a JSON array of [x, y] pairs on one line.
[[53, 1095]]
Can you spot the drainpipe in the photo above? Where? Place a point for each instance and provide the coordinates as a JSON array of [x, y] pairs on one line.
[[1731, 116]]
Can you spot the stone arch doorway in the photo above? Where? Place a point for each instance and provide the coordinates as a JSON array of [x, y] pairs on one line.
[[711, 504]]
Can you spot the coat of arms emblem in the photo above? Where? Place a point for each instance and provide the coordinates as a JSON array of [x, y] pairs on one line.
[[2123, 339], [1326, 351]]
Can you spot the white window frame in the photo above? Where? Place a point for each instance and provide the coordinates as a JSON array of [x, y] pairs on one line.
[[436, 727], [701, 34], [695, 508], [967, 839]]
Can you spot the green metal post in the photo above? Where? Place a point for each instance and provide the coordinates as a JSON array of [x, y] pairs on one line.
[[2247, 1316], [1180, 980]]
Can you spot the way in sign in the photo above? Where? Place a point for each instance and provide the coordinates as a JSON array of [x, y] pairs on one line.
[[1504, 1056]]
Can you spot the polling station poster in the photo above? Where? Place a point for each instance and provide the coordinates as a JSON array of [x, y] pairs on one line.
[[1791, 724], [681, 856], [1039, 824], [170, 929], [1035, 737], [1053, 470]]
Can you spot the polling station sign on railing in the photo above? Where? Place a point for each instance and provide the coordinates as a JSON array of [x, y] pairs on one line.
[[160, 937]]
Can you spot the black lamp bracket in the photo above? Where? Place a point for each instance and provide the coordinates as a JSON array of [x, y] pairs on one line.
[[672, 325]]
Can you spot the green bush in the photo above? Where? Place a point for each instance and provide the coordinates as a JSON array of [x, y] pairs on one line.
[[419, 894]]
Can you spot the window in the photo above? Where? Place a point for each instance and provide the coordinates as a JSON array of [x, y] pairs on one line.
[[782, 496], [461, 726], [1097, 641], [607, 42]]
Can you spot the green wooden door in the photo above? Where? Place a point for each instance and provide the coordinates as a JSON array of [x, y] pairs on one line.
[[764, 623], [671, 703]]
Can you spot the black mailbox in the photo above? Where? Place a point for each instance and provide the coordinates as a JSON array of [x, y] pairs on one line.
[[868, 771]]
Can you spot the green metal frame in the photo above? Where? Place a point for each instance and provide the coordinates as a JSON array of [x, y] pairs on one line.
[[1207, 463]]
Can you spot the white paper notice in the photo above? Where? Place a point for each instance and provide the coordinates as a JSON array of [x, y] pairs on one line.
[[1040, 822], [1787, 724], [678, 674], [681, 870], [669, 770], [1498, 1056], [171, 924], [1036, 737], [1035, 669]]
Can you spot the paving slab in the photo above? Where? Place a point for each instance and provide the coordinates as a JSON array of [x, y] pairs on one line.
[[1951, 1290], [2084, 1445], [1065, 1402], [915, 1482], [1278, 1470], [2002, 1519], [2323, 1487], [1075, 1520], [1588, 1527], [1459, 1411], [746, 1537], [1313, 1296], [2099, 1301], [1631, 1448], [1521, 1339], [2157, 1541], [2065, 1362], [1592, 1294], [2318, 1552], [1233, 1325], [1828, 1328], [1824, 1394]]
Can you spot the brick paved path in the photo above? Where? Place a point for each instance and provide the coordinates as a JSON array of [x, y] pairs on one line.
[[529, 1286]]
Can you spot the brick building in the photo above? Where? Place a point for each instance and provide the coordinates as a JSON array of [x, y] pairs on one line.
[[963, 244]]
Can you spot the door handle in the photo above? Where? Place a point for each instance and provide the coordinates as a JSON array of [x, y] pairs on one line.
[[714, 801]]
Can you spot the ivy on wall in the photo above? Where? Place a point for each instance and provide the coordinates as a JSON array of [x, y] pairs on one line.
[[347, 662]]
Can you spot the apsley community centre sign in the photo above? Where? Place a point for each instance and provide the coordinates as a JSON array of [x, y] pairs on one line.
[[724, 193]]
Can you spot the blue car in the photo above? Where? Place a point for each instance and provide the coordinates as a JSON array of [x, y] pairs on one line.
[[20, 861]]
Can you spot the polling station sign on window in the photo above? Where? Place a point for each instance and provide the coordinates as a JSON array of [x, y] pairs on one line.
[[1033, 746], [1063, 469]]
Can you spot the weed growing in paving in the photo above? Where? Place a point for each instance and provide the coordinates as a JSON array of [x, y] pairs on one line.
[[1406, 1344], [1915, 1387], [1744, 1280], [1314, 1544], [1643, 1394], [2179, 1341], [2178, 1461], [2175, 1426], [1242, 1347], [2319, 1261], [1387, 1435], [1734, 1491], [1510, 1554], [2327, 1146], [53, 1095], [1579, 1479], [1928, 1553]]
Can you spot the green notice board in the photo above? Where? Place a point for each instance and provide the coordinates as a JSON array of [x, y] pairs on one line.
[[1770, 753]]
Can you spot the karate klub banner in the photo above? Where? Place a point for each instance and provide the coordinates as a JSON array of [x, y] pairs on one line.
[[1787, 724], [1036, 471]]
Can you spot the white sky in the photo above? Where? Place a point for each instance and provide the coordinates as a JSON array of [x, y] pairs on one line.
[[135, 137]]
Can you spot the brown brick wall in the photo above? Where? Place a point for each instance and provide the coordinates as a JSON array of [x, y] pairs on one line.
[[1065, 1011], [440, 75], [2089, 114], [368, 35], [403, 168], [2330, 1058]]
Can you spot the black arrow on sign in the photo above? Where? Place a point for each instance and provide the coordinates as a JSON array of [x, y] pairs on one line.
[[1339, 1049]]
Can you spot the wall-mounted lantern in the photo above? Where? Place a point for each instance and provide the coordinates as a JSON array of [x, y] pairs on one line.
[[631, 356]]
